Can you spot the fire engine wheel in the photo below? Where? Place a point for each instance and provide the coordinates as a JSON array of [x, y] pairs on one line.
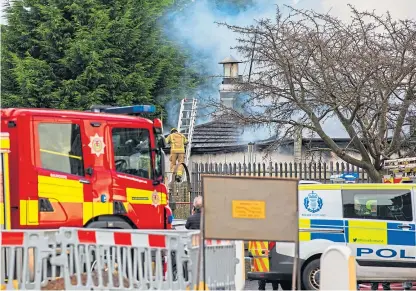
[[311, 275]]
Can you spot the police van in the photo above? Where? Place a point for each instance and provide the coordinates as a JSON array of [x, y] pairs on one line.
[[377, 221]]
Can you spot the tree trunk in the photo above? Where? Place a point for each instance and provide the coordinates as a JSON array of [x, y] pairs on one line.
[[374, 175]]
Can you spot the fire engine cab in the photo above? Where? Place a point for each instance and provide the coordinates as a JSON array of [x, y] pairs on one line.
[[402, 170], [98, 169]]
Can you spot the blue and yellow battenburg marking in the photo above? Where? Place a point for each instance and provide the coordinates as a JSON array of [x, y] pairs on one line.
[[359, 232]]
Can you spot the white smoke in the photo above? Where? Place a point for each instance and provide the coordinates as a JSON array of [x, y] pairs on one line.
[[196, 30]]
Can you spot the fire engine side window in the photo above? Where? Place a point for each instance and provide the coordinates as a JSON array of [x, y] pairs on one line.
[[383, 204], [61, 148], [132, 153]]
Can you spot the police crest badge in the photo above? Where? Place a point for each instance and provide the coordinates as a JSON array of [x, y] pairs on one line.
[[313, 203]]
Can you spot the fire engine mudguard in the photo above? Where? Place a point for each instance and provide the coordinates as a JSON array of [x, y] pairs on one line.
[[110, 221]]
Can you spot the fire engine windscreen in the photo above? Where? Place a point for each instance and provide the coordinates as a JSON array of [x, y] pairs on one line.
[[132, 153]]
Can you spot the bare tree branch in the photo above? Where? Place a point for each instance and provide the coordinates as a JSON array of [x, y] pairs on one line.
[[309, 66]]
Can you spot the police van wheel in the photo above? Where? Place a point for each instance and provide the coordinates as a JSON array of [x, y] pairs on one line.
[[311, 275]]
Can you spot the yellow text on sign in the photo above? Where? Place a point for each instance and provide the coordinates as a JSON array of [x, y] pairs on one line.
[[249, 209]]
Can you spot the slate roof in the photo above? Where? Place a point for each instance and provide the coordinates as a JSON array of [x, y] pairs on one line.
[[223, 136], [220, 135], [217, 136]]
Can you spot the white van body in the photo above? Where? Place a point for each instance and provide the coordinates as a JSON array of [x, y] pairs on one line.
[[377, 221]]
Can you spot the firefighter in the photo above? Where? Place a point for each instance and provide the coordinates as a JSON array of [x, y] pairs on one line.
[[177, 143]]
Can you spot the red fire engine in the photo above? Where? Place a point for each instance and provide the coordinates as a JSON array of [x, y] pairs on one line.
[[98, 169], [402, 170]]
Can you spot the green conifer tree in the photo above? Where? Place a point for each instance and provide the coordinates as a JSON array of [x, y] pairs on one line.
[[70, 54]]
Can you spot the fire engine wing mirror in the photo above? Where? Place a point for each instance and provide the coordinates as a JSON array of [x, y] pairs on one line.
[[161, 143], [89, 171], [159, 169], [158, 130]]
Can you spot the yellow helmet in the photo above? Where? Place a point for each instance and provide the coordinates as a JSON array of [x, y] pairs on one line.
[[173, 129]]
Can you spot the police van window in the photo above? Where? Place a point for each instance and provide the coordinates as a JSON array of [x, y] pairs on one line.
[[378, 204], [61, 148], [132, 153]]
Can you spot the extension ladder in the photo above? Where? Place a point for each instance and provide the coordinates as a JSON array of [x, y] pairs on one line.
[[186, 123]]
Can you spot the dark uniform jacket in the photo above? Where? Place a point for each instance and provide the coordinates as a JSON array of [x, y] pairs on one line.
[[194, 221]]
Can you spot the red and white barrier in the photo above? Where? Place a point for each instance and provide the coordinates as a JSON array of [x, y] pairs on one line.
[[23, 255], [136, 259], [211, 242], [121, 238], [103, 259], [14, 238]]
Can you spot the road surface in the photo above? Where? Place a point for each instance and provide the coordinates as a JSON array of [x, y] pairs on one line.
[[252, 285]]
